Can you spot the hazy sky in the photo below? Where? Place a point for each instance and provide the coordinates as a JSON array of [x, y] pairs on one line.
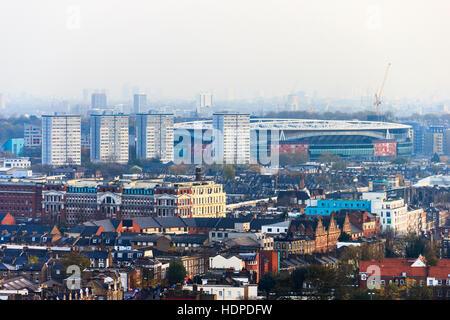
[[181, 47]]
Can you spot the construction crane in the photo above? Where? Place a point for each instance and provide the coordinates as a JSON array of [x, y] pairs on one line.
[[380, 91]]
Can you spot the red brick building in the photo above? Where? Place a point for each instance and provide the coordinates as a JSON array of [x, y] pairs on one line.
[[323, 230], [21, 200], [358, 223], [261, 262]]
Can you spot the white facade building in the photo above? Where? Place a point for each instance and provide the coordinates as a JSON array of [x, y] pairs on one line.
[[221, 262], [61, 140], [396, 217], [232, 132], [17, 163], [276, 228], [32, 135], [224, 292], [154, 136], [109, 138]]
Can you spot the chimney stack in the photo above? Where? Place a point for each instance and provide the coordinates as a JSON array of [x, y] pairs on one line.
[[302, 181], [198, 174]]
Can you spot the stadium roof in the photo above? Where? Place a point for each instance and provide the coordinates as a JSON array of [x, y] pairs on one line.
[[302, 124], [439, 180]]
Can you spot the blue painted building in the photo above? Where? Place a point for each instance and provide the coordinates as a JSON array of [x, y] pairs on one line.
[[14, 145], [325, 207]]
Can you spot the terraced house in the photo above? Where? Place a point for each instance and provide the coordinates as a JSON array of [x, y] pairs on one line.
[[78, 201]]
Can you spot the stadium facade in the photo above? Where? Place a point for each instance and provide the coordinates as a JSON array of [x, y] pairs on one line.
[[347, 138]]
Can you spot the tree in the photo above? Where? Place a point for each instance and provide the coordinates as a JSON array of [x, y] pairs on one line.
[[298, 277], [414, 246], [420, 293], [339, 165], [76, 258], [293, 158], [33, 259], [399, 160], [63, 227], [267, 283], [322, 279], [229, 173], [326, 157], [344, 237], [389, 292], [435, 158], [178, 169], [430, 255], [176, 272], [197, 279]]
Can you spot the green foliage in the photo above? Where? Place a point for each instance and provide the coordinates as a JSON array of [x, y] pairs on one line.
[[176, 272], [197, 279], [12, 127], [267, 283], [229, 173], [329, 158], [415, 246], [400, 160], [179, 169], [293, 159], [420, 293], [63, 227], [389, 292], [339, 165], [323, 281], [298, 277], [75, 258], [33, 259], [435, 158], [344, 237]]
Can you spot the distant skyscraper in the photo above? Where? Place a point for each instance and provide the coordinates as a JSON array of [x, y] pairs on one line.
[[205, 101], [140, 102], [61, 140], [154, 136], [233, 144], [293, 103], [98, 101], [109, 138]]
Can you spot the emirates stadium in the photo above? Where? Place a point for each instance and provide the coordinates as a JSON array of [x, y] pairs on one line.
[[347, 138]]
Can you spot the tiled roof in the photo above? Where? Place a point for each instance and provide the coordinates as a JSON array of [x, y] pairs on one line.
[[395, 267]]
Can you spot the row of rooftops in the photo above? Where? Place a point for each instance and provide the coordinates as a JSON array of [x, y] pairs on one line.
[[111, 225]]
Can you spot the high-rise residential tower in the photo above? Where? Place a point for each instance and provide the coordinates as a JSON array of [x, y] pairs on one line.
[[109, 138], [154, 135], [233, 140], [61, 140]]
